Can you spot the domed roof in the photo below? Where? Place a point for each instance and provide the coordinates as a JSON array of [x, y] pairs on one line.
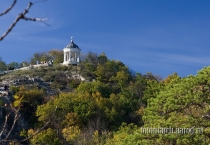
[[72, 44]]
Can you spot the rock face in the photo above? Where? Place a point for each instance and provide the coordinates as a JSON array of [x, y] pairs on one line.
[[27, 81], [6, 97]]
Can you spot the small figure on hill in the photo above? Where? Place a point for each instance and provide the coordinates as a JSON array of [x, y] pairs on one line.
[[5, 87]]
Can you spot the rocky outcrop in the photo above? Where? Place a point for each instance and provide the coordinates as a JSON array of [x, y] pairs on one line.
[[27, 81]]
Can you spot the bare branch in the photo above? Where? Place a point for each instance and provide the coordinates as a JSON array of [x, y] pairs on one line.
[[8, 9], [36, 19], [16, 20], [17, 116], [5, 124], [22, 16]]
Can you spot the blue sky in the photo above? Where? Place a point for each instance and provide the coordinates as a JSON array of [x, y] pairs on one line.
[[158, 36]]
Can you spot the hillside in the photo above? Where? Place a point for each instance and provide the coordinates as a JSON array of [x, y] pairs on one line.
[[53, 79], [110, 106]]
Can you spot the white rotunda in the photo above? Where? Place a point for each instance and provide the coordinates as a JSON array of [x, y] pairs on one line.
[[71, 53]]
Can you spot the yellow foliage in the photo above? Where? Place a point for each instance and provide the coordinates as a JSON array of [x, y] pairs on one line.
[[71, 133], [46, 137], [17, 101], [96, 138], [72, 119], [140, 111], [30, 132], [170, 78]]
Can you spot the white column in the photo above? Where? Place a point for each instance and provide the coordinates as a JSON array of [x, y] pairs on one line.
[[65, 56], [75, 58], [69, 55], [78, 57]]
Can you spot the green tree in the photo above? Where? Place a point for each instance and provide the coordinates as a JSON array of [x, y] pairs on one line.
[[105, 72], [126, 135], [181, 103], [93, 87], [81, 106], [102, 58], [138, 85], [47, 137], [40, 57], [30, 99], [89, 64], [170, 78], [91, 58], [122, 78], [56, 56], [13, 65], [152, 89]]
